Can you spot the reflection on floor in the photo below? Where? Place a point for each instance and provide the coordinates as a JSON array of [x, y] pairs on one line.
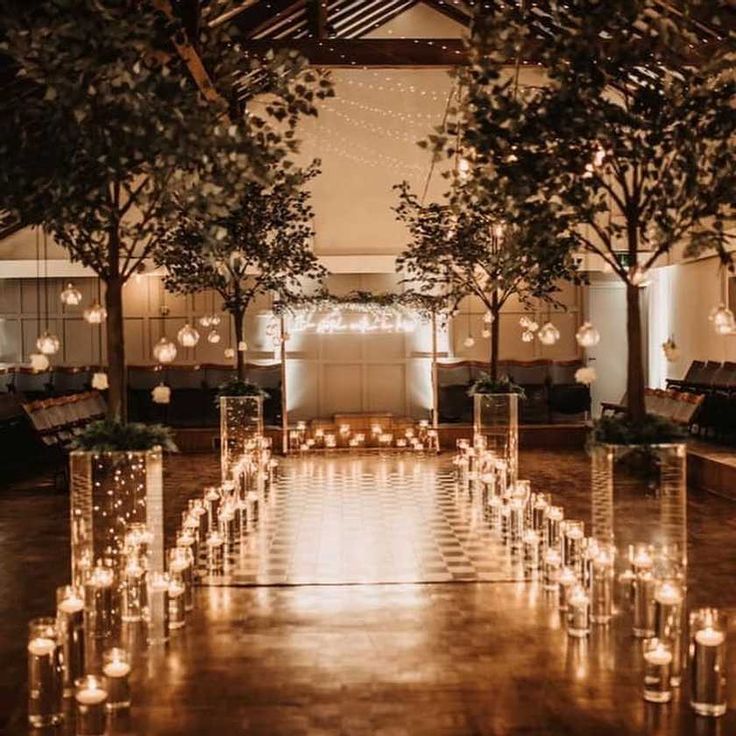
[[367, 519], [473, 659]]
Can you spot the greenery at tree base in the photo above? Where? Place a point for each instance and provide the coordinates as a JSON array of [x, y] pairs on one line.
[[261, 246], [112, 435], [624, 430], [623, 143], [107, 138], [239, 387], [459, 250], [484, 384]]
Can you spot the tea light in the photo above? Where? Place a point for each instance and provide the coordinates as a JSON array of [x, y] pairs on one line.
[[158, 608], [578, 612], [91, 696], [708, 663], [45, 675], [668, 599], [99, 605], [644, 623], [401, 442], [116, 668], [551, 569], [70, 631], [657, 672]]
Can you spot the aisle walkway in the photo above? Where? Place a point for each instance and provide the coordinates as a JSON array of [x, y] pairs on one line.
[[368, 519]]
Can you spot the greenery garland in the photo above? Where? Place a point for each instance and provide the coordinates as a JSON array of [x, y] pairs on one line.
[[239, 387], [424, 305], [111, 435], [484, 384], [622, 430]]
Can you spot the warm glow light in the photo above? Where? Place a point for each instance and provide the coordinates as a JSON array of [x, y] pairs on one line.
[[213, 336], [161, 394], [164, 351], [587, 336], [71, 296], [187, 336], [95, 314], [229, 353], [586, 375], [99, 381], [548, 334], [469, 341], [39, 362], [48, 343]]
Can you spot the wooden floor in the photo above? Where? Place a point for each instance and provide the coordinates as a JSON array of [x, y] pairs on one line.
[[457, 658]]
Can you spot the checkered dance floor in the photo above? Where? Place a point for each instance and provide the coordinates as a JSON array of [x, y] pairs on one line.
[[366, 519]]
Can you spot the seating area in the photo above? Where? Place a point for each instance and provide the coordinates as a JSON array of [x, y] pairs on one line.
[[681, 407], [552, 394], [193, 389]]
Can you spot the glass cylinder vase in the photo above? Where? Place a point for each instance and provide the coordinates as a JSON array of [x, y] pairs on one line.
[[241, 425], [639, 496], [116, 516], [496, 423]]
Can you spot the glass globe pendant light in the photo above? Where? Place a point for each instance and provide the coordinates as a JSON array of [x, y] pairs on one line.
[[39, 362], [229, 353], [71, 296], [548, 334], [469, 341], [723, 320], [95, 314], [161, 394], [99, 381], [587, 336], [164, 351], [205, 321], [213, 336], [188, 336], [527, 336], [48, 343]]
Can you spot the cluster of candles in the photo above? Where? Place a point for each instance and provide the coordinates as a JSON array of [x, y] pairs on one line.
[[581, 572], [219, 519], [419, 438]]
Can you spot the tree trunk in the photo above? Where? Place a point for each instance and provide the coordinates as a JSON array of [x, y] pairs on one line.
[[238, 316], [495, 335], [635, 368], [117, 392]]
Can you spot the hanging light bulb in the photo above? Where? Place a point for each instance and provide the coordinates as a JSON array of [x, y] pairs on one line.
[[99, 381], [95, 314], [723, 320], [205, 321], [469, 341], [488, 318], [188, 336], [527, 336], [242, 346], [71, 296], [39, 362], [229, 353], [161, 394], [548, 334], [48, 343], [164, 351], [213, 336], [587, 336]]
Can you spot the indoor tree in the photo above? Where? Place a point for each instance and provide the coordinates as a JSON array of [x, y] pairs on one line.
[[108, 133], [262, 246], [625, 144], [457, 251]]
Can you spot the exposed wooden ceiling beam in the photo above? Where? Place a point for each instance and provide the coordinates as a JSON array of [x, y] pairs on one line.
[[340, 52], [232, 13], [450, 11], [265, 14]]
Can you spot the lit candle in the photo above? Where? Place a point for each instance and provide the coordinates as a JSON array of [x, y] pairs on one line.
[[212, 503], [539, 506], [99, 604], [516, 523], [601, 587], [552, 563], [657, 672], [668, 598], [578, 612], [644, 584], [133, 589], [180, 567], [116, 668], [215, 554], [572, 545], [567, 580], [554, 517], [531, 552], [91, 696], [158, 608], [177, 605], [70, 630], [45, 675], [708, 663]]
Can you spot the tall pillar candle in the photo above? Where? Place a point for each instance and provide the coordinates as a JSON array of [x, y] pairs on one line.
[[45, 676], [70, 630], [708, 662], [668, 612]]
